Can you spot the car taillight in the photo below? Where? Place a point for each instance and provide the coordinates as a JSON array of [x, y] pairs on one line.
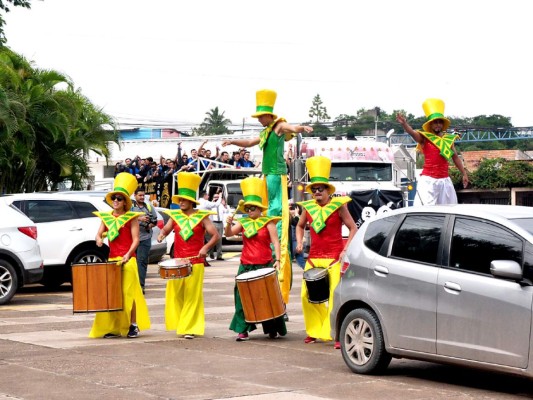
[[30, 231], [160, 223], [344, 267]]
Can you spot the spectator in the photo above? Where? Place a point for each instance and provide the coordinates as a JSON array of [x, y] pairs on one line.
[[246, 162]]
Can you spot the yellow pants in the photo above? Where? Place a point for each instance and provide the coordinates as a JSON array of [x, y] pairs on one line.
[[118, 322], [317, 316], [184, 304]]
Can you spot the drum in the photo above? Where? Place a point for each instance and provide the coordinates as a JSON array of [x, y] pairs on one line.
[[317, 282], [175, 268], [260, 295], [96, 287]]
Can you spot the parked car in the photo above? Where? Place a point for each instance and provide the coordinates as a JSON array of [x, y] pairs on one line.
[[20, 256], [448, 284], [157, 250], [67, 229]]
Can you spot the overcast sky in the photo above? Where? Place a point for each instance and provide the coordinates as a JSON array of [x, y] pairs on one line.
[[172, 61]]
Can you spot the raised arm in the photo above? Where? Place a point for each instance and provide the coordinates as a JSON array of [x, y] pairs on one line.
[[406, 127]]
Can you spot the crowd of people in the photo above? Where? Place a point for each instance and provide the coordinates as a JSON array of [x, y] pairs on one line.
[[148, 170]]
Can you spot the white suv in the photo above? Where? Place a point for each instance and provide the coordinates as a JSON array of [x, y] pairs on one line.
[[20, 256], [67, 230]]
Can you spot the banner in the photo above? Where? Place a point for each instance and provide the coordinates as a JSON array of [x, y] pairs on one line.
[[368, 203]]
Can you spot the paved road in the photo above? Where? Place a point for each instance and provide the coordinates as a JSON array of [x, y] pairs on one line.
[[45, 354]]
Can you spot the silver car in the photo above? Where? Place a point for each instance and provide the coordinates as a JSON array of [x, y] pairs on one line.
[[448, 284]]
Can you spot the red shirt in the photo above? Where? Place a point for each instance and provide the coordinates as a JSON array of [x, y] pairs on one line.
[[191, 247], [256, 250], [435, 165], [122, 243], [328, 243]]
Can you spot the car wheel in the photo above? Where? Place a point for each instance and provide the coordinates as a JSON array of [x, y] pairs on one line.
[[8, 281], [89, 256], [362, 344]]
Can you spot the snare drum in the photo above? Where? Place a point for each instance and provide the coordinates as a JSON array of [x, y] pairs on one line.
[[175, 268], [317, 282], [96, 287], [260, 295]]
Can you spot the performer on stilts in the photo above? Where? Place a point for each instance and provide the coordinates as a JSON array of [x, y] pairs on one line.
[[272, 142]]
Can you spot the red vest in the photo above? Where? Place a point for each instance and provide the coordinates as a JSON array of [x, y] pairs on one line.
[[328, 243], [435, 165]]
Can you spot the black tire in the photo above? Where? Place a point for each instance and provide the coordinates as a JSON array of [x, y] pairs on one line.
[[89, 256], [362, 344], [8, 281]]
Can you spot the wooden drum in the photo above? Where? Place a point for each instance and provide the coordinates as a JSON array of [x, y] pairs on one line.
[[175, 268], [260, 295], [96, 287]]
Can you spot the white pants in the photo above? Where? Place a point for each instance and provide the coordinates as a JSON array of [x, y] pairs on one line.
[[432, 191]]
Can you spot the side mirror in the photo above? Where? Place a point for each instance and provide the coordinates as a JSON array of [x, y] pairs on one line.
[[506, 269]]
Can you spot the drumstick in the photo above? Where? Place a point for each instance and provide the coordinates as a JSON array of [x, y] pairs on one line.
[[241, 202]]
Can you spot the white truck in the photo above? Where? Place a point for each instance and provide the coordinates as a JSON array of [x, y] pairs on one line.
[[365, 170]]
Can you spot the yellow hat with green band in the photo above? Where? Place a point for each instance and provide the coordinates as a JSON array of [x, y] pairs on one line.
[[124, 185], [319, 168], [265, 100], [254, 193], [188, 184], [434, 109]]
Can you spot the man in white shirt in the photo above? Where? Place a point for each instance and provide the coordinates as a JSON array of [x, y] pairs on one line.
[[214, 205]]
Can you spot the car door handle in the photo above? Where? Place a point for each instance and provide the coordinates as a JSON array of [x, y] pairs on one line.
[[75, 229], [381, 271], [451, 287]]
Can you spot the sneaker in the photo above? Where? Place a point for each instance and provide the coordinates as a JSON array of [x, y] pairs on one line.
[[286, 317], [220, 258], [337, 346], [134, 331], [212, 256], [309, 339], [242, 337], [188, 336], [111, 335], [273, 335]]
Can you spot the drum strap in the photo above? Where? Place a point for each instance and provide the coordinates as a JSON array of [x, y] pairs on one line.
[[113, 223], [321, 214]]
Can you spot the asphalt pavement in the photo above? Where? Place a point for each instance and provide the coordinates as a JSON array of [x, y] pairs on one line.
[[45, 354]]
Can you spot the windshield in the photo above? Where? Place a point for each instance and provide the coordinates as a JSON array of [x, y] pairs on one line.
[[525, 223], [350, 171], [234, 194]]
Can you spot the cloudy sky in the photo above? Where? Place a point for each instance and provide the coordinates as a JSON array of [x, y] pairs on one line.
[[171, 61]]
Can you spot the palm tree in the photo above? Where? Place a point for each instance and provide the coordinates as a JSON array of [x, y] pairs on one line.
[[46, 128], [214, 124]]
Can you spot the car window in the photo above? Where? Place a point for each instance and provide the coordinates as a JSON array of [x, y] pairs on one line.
[[49, 210], [377, 232], [418, 238], [476, 243], [84, 209], [528, 262]]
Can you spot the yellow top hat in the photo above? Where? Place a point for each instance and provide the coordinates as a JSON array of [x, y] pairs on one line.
[[319, 168], [124, 184], [265, 100], [188, 184], [434, 109], [254, 193]]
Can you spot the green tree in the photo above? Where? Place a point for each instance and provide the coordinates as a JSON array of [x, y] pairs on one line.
[[318, 110], [497, 173], [47, 128], [214, 124], [4, 6]]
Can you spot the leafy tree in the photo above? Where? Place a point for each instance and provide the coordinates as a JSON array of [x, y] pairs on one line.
[[497, 173], [318, 110], [214, 124], [47, 128], [4, 6]]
